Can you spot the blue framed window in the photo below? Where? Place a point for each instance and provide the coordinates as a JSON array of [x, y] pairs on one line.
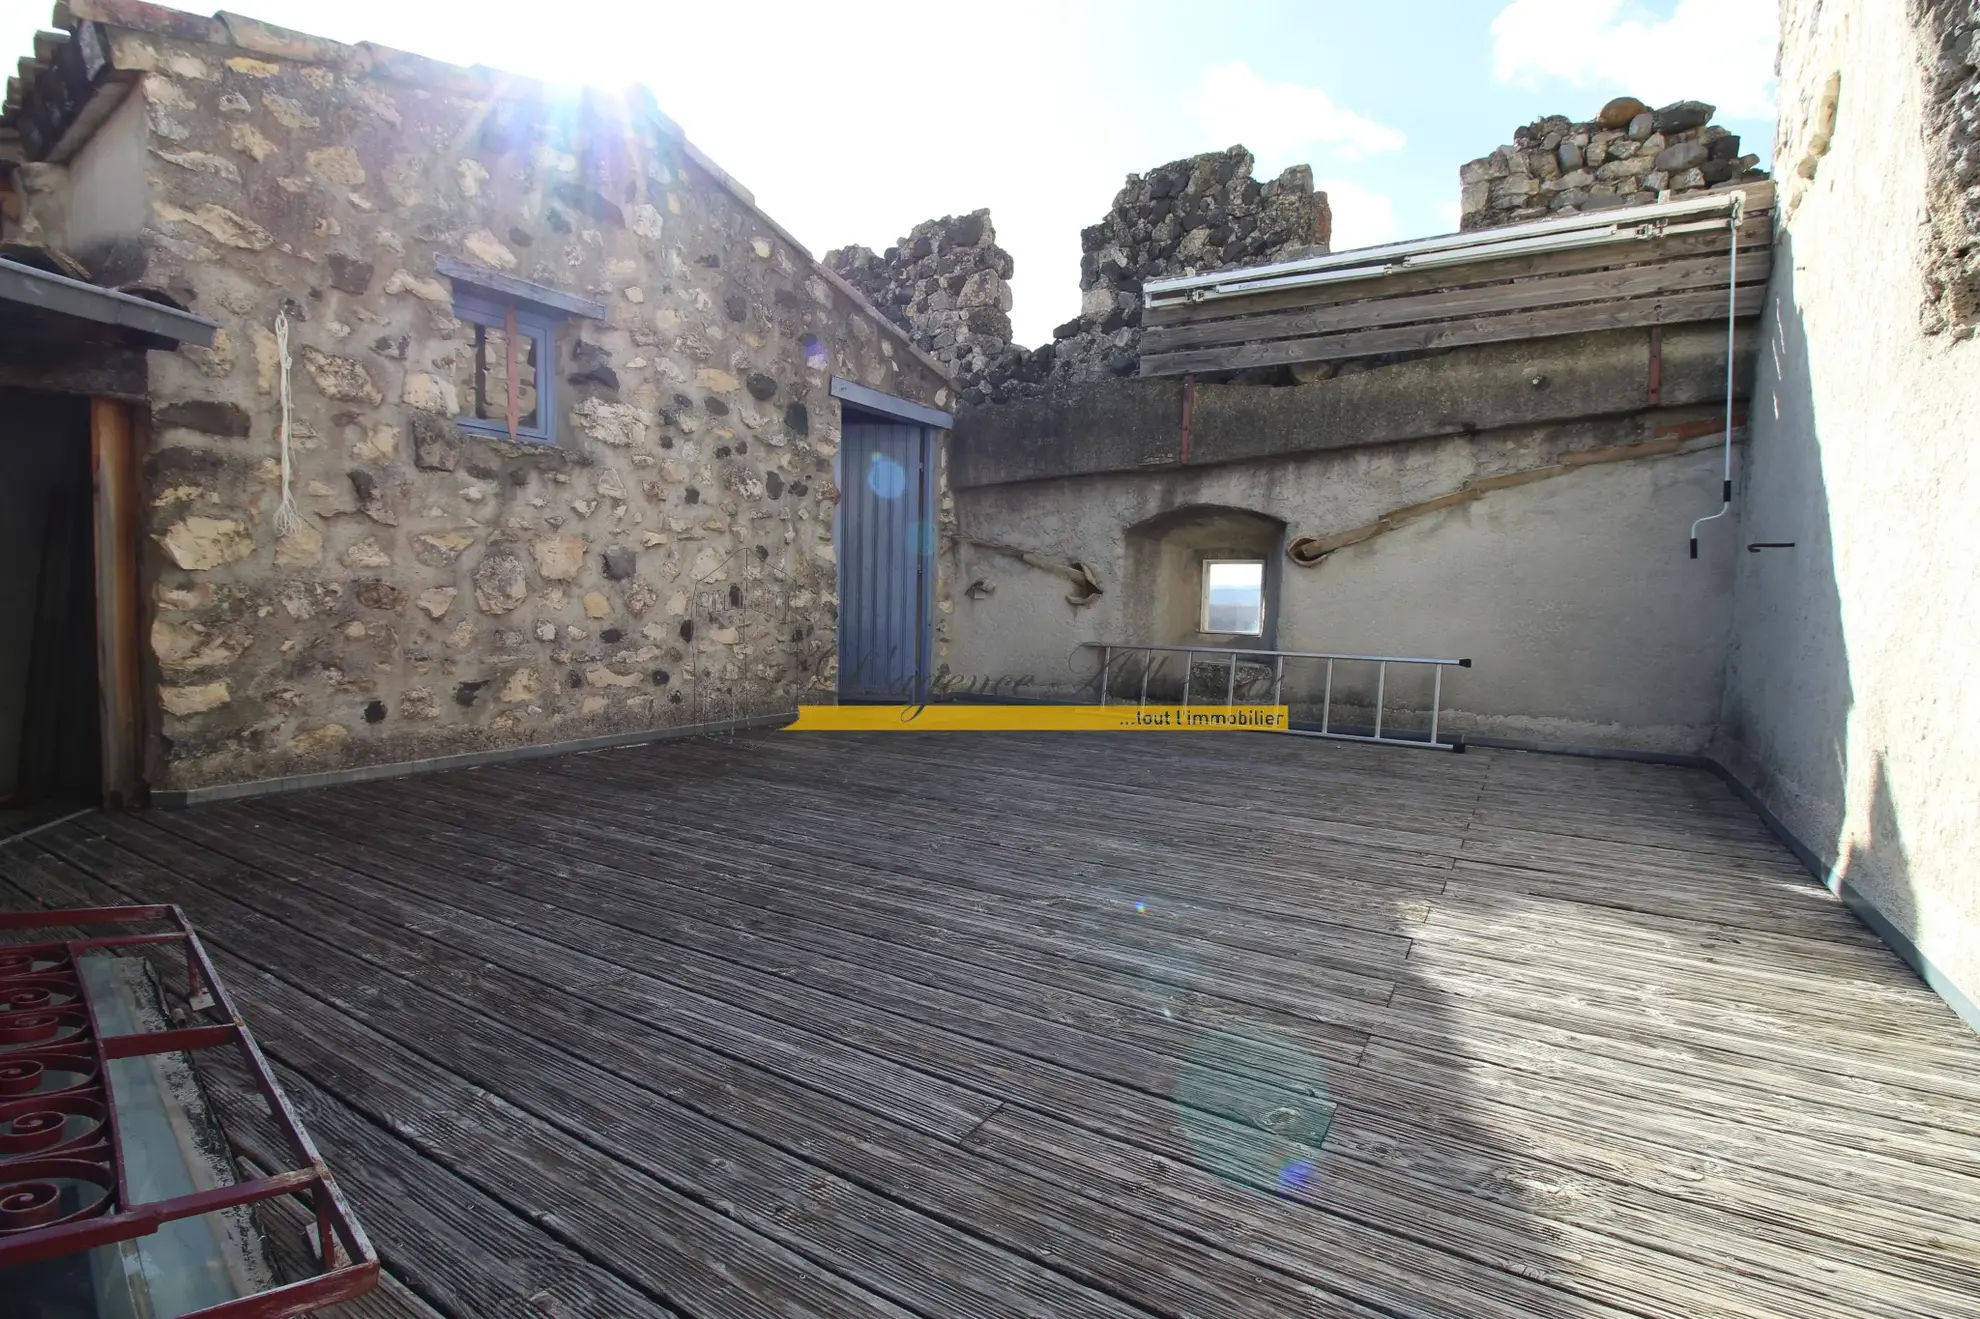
[[485, 390]]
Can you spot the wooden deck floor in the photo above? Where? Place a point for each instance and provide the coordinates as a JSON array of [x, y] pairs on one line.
[[1009, 1025]]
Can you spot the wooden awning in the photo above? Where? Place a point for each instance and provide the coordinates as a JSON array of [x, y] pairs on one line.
[[1653, 273]]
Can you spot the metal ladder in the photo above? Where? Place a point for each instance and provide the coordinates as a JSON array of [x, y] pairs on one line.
[[1278, 659]]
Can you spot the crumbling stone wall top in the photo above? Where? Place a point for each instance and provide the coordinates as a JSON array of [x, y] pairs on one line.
[[945, 281], [1187, 217], [945, 285], [1627, 155]]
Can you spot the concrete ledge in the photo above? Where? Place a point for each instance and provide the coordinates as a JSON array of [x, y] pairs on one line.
[[465, 760], [1852, 897], [1111, 427]]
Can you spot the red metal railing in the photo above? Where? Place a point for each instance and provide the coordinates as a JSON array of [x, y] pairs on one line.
[[50, 1028]]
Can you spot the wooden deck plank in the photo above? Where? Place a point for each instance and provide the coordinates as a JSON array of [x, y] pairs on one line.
[[1120, 1096], [415, 1014], [1004, 1024], [1817, 1119], [462, 1250], [1412, 1261], [1691, 1060], [1110, 943], [1350, 961]]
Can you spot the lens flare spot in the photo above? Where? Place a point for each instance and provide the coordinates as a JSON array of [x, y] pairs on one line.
[[1253, 1105], [885, 477]]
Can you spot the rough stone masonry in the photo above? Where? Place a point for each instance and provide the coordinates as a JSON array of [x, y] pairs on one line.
[[1629, 154], [944, 282], [1951, 36], [945, 285], [668, 557]]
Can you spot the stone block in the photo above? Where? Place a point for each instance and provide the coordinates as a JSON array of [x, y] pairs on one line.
[[437, 445], [349, 274], [1682, 156], [1681, 115], [429, 393], [435, 601], [500, 584], [380, 595], [558, 558], [342, 378], [184, 702], [1618, 113], [1620, 170], [205, 416], [199, 543]]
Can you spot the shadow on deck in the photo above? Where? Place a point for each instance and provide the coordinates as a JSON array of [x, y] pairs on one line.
[[1028, 1025]]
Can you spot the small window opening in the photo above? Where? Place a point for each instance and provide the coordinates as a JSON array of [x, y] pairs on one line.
[[485, 389], [1233, 597]]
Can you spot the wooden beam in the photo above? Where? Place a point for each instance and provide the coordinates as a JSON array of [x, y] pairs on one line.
[[113, 467], [520, 290], [1669, 310], [1682, 276]]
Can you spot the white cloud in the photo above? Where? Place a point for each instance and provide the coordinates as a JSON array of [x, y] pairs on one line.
[[1362, 216], [1720, 51], [1449, 216], [1281, 122]]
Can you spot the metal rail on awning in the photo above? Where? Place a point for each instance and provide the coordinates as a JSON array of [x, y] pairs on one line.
[[46, 291]]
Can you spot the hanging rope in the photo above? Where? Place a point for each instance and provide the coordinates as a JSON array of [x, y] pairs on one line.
[[287, 520], [1732, 310]]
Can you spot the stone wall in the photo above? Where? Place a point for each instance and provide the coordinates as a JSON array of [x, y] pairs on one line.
[[668, 559], [1626, 155], [1189, 216], [1853, 680], [1951, 32], [1539, 531], [945, 285]]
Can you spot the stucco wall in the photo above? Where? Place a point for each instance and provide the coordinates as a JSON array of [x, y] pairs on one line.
[[668, 560], [1572, 594], [1853, 690], [109, 201]]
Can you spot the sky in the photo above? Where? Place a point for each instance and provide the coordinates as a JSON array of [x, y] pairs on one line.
[[854, 120]]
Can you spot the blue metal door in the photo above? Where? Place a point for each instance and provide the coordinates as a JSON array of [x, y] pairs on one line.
[[886, 560]]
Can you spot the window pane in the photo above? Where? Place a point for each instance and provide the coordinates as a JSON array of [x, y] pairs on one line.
[[1234, 597], [478, 375], [491, 374]]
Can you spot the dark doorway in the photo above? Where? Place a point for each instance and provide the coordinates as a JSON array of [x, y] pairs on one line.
[[886, 559], [50, 736]]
